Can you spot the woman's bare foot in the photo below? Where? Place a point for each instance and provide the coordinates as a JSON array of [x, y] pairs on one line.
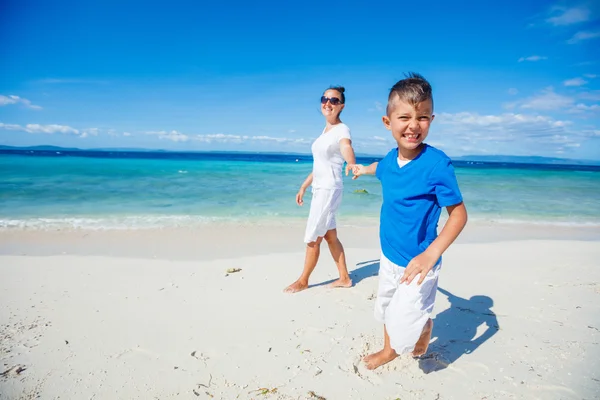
[[343, 283], [376, 360], [295, 287], [423, 342]]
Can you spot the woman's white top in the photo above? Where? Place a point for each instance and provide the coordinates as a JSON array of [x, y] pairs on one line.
[[327, 158]]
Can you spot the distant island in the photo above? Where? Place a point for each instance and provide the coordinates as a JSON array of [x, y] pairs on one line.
[[460, 160], [524, 160]]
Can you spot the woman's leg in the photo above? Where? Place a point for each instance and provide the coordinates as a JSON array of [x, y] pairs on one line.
[[337, 252], [313, 249]]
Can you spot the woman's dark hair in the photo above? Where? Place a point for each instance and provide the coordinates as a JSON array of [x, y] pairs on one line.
[[339, 89]]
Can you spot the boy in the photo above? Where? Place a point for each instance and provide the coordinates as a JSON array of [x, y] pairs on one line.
[[417, 181]]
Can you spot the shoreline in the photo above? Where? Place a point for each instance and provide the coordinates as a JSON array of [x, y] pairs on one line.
[[214, 241]]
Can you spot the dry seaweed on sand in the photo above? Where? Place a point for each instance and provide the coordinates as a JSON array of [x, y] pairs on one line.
[[313, 395], [264, 391]]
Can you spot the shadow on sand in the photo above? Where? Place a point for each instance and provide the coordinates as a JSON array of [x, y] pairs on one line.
[[455, 330], [365, 270]]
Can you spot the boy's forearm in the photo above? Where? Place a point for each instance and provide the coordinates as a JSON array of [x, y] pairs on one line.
[[455, 224], [307, 182], [372, 169]]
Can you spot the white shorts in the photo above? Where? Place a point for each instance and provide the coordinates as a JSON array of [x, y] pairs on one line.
[[321, 218], [404, 309]]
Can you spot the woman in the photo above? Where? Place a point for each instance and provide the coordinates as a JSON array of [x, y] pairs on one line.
[[329, 152]]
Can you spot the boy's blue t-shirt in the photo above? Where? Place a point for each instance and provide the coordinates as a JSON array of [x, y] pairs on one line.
[[413, 197]]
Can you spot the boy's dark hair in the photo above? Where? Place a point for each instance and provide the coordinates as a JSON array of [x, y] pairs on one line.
[[340, 89], [413, 89]]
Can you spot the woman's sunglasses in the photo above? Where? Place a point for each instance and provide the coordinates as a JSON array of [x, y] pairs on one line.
[[333, 100]]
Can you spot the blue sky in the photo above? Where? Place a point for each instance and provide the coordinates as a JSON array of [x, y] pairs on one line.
[[515, 78]]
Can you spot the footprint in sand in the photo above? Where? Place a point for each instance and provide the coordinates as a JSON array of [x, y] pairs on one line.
[[137, 351]]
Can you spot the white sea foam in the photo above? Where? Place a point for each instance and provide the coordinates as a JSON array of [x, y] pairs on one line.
[[272, 219], [135, 222]]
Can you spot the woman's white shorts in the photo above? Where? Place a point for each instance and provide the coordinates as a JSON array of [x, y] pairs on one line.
[[404, 309], [323, 207]]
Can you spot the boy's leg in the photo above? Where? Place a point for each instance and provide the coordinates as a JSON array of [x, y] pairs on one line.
[[423, 342], [389, 276], [404, 310], [383, 356], [337, 252], [408, 316], [388, 354], [313, 250]]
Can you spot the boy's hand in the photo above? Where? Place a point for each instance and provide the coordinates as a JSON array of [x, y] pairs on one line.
[[299, 196], [358, 170], [421, 264]]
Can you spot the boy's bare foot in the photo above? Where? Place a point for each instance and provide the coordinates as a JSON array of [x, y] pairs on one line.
[[343, 283], [296, 287], [423, 342], [376, 360]]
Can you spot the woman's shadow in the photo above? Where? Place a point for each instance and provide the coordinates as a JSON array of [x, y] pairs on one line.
[[455, 330], [366, 269]]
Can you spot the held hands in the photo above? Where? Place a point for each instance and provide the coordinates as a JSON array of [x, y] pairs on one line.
[[421, 264], [357, 170]]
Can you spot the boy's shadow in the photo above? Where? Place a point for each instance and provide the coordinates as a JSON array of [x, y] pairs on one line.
[[455, 330], [366, 269]]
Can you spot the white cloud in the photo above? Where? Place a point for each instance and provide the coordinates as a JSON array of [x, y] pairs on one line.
[[513, 91], [569, 16], [37, 128], [220, 138], [54, 81], [226, 138], [593, 95], [126, 134], [11, 127], [590, 76], [509, 132], [377, 106], [580, 107], [173, 135], [547, 99], [583, 35], [533, 58], [223, 138], [90, 131], [12, 99], [499, 121], [575, 82]]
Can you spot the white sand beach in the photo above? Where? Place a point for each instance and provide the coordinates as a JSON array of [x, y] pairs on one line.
[[155, 315]]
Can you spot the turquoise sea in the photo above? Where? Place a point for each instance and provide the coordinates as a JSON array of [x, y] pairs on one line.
[[130, 190]]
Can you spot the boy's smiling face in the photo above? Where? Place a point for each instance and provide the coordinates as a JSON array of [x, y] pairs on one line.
[[409, 125]]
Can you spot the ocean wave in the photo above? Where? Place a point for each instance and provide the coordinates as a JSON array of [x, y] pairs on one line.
[[532, 221], [134, 222]]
